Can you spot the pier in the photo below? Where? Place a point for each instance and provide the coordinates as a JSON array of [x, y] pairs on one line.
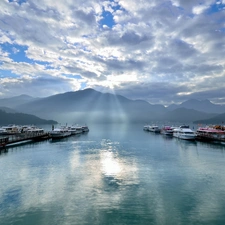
[[19, 138]]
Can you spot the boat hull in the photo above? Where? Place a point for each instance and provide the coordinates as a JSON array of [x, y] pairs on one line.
[[60, 135], [187, 137]]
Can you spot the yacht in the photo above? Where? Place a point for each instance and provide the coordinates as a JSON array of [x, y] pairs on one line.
[[146, 128], [154, 128], [184, 133], [2, 131], [11, 129], [167, 130], [85, 128], [32, 130], [61, 132], [72, 129], [210, 134]]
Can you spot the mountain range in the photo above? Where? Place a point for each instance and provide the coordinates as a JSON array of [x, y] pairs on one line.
[[91, 106], [21, 119]]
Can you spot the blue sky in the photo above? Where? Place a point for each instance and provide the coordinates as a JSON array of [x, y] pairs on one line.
[[159, 51]]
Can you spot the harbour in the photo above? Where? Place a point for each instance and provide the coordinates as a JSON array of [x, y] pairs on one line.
[[114, 174], [34, 134]]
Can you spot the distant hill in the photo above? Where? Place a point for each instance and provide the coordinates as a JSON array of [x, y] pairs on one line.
[[21, 119], [90, 105], [202, 106], [16, 101], [186, 115], [219, 119], [7, 110]]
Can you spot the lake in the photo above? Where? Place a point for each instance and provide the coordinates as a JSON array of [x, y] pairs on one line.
[[114, 174]]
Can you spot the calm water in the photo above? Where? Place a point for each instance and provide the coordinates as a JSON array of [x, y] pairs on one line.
[[115, 174]]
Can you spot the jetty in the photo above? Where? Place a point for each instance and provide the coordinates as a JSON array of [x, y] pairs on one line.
[[22, 137]]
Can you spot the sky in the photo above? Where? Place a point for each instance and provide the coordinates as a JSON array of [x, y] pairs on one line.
[[163, 52]]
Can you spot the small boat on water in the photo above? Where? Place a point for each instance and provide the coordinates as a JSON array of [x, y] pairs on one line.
[[79, 129], [32, 130], [2, 131], [154, 128], [184, 133], [146, 128], [167, 130], [76, 129], [10, 129], [72, 129], [58, 133], [85, 128], [210, 134]]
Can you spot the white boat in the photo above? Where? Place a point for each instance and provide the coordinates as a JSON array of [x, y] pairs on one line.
[[154, 128], [85, 128], [167, 130], [184, 133], [61, 132], [145, 128], [78, 128], [11, 129], [72, 129], [32, 130], [2, 131]]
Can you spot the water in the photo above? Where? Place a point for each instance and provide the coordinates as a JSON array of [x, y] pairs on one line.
[[115, 174]]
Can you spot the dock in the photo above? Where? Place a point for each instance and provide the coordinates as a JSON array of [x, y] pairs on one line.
[[20, 138]]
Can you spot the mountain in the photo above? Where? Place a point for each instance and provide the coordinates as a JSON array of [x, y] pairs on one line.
[[21, 119], [202, 106], [186, 115], [16, 101], [90, 105], [219, 119], [7, 110]]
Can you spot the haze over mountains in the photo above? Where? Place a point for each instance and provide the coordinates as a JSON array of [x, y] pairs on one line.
[[90, 106]]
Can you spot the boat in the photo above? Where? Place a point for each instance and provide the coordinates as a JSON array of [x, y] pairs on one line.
[[32, 130], [146, 128], [3, 131], [58, 133], [72, 129], [78, 128], [11, 129], [210, 134], [154, 128], [85, 128], [184, 133], [167, 130]]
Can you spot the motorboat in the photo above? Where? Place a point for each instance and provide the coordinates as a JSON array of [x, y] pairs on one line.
[[210, 134], [79, 129], [146, 128], [154, 128], [2, 131], [58, 133], [167, 130], [72, 129], [184, 133], [32, 130], [85, 128], [11, 129]]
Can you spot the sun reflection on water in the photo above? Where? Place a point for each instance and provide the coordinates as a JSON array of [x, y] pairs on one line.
[[111, 166]]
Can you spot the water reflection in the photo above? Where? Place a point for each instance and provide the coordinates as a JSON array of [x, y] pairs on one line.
[[110, 165], [133, 179]]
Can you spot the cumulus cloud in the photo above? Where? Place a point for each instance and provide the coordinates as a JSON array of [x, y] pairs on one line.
[[159, 51]]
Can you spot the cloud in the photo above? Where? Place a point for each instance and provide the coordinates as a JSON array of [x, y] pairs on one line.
[[171, 50]]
